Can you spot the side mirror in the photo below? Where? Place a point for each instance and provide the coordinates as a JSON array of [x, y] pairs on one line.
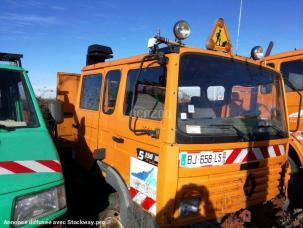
[[56, 110]]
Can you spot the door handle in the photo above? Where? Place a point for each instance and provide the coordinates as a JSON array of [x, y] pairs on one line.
[[77, 126], [118, 139]]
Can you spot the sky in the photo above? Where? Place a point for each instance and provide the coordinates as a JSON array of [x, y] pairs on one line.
[[53, 35]]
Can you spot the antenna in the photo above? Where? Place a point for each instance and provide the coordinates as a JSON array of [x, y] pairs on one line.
[[239, 24]]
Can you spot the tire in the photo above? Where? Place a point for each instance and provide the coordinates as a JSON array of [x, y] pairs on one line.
[[295, 185], [110, 217]]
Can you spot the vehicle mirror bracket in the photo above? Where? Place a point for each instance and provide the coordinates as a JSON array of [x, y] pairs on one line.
[[162, 59]]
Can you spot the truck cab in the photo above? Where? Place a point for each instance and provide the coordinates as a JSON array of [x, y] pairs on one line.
[[31, 182], [183, 135], [290, 64]]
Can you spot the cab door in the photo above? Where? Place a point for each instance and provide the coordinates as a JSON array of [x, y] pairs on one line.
[[108, 113], [86, 119], [136, 154], [292, 70]]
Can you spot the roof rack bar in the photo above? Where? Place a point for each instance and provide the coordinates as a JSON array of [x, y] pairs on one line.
[[9, 57]]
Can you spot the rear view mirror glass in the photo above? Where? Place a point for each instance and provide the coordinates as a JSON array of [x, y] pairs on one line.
[[56, 110]]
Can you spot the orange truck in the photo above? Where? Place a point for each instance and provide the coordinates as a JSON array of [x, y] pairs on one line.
[[290, 64], [183, 135]]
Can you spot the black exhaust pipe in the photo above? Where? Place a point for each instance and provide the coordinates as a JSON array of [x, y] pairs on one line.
[[269, 48]]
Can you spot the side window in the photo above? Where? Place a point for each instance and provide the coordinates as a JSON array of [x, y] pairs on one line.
[[111, 91], [293, 71], [90, 93], [22, 104], [150, 94]]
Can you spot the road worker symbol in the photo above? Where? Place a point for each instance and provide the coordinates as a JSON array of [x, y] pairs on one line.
[[219, 39], [218, 36]]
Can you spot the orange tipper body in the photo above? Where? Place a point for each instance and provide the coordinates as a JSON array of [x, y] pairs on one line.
[[68, 97], [200, 134], [290, 64]]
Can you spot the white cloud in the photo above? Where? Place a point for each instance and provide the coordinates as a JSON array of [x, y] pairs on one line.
[[27, 19], [33, 4]]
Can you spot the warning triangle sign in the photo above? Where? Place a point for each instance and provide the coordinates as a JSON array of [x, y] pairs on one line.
[[219, 39]]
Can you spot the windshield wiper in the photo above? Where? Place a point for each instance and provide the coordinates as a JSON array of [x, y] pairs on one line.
[[11, 125], [270, 125], [239, 132]]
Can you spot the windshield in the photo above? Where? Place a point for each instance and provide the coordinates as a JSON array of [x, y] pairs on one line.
[[225, 100], [16, 108]]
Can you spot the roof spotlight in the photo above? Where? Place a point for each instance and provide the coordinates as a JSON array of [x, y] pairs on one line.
[[181, 30], [257, 53]]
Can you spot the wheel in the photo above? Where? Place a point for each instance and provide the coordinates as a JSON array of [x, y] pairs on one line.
[[295, 185], [110, 217]]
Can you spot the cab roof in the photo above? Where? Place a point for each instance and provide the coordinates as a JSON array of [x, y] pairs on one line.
[[285, 54], [138, 58]]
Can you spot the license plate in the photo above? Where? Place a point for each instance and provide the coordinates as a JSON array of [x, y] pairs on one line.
[[195, 160]]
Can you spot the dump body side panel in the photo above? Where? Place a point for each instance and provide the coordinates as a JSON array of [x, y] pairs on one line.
[[67, 87]]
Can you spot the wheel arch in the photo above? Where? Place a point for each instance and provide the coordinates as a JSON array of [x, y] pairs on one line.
[[114, 179], [296, 151], [132, 215]]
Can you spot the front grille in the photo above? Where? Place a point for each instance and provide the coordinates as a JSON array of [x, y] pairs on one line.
[[224, 193]]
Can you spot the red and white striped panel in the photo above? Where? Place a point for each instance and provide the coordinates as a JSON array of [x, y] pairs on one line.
[[253, 154], [30, 166], [197, 159], [143, 200]]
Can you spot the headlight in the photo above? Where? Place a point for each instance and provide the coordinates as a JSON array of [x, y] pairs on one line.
[[189, 206], [181, 30], [257, 53], [40, 204]]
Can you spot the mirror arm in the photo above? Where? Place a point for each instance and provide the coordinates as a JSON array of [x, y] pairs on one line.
[[152, 133]]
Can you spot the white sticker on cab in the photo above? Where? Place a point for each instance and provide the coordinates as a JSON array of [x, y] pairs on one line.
[[193, 129], [191, 108], [183, 115]]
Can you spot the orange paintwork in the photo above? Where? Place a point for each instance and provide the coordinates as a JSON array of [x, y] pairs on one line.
[[220, 187], [292, 99], [67, 87]]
